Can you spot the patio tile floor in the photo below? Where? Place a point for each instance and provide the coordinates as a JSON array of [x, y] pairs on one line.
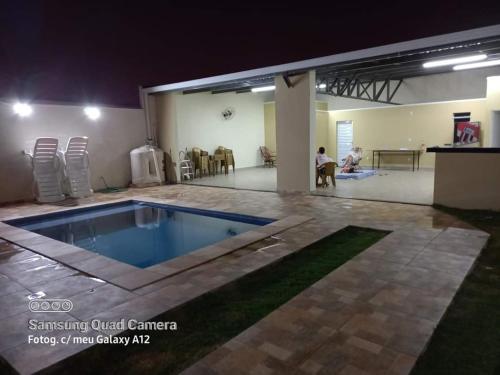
[[373, 315]]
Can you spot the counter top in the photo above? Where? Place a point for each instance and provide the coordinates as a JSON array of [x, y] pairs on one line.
[[466, 150]]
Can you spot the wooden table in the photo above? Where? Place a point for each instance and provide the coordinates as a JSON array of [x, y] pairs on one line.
[[414, 153]]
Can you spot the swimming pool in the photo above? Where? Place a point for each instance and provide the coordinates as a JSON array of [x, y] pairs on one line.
[[140, 233]]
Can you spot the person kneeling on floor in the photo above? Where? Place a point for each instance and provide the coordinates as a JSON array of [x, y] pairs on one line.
[[351, 162]]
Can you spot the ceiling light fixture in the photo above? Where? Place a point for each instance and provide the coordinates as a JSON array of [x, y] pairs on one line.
[[454, 61], [263, 88], [482, 64], [22, 109], [92, 113]]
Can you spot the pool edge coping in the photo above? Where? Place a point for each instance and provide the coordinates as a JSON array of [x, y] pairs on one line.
[[125, 275]]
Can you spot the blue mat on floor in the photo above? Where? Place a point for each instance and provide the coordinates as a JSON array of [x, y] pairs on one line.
[[356, 175]]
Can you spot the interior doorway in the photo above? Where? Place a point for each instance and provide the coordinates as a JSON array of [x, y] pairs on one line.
[[344, 139]]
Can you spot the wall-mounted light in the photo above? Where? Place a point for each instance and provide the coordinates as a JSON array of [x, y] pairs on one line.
[[92, 113], [482, 64], [263, 88], [22, 109], [321, 86], [454, 61]]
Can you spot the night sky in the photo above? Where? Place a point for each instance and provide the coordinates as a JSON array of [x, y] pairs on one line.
[[101, 51]]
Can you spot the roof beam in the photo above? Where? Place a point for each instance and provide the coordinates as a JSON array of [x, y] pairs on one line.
[[395, 90], [379, 91], [365, 99], [356, 89]]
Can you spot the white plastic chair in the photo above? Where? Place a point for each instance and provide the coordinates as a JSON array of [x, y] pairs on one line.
[[47, 171], [186, 165], [77, 170]]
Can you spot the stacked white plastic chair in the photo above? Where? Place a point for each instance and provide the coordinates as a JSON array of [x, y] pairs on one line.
[[186, 165], [77, 170], [47, 170]]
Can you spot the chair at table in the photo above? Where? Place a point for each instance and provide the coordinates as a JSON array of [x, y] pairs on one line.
[[196, 159], [220, 159], [201, 161], [225, 158], [327, 170], [229, 159], [204, 163], [268, 156], [211, 165]]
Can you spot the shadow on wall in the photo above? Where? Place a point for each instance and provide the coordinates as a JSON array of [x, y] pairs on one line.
[[111, 137]]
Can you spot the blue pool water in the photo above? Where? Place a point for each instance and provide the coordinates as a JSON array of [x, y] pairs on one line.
[[139, 233]]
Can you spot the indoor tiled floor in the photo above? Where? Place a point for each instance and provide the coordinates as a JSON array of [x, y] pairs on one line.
[[387, 185], [256, 178], [372, 315]]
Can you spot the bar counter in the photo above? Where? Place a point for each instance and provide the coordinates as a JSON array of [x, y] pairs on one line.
[[467, 177]]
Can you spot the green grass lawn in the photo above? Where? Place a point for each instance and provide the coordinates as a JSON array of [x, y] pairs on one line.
[[214, 318], [467, 341]]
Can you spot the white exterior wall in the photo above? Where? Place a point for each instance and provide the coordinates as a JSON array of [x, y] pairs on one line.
[[111, 138], [200, 124]]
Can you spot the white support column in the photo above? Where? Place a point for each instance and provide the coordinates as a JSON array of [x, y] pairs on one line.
[[166, 120], [296, 132]]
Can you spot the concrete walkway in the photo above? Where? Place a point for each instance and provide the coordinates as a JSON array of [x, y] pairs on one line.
[[373, 315]]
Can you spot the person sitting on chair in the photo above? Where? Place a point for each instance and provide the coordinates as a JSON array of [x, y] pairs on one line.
[[321, 158]]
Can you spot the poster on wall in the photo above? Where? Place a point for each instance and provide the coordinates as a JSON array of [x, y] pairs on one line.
[[466, 132]]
